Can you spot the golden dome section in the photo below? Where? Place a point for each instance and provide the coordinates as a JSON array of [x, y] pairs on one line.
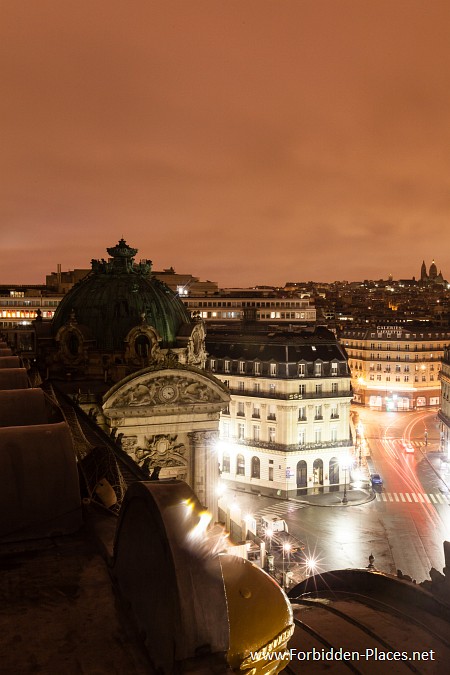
[[260, 617]]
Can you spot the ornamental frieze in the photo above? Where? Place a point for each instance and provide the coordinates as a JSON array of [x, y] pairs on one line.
[[166, 390]]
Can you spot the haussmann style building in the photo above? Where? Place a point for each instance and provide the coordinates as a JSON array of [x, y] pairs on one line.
[[287, 428]]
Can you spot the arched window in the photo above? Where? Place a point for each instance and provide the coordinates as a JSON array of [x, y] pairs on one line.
[[334, 471], [302, 474], [318, 472], [73, 343], [142, 345], [226, 462], [256, 467], [240, 465]]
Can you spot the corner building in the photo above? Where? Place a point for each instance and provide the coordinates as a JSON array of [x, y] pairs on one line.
[[287, 427], [396, 367]]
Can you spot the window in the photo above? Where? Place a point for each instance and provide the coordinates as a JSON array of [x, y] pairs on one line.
[[302, 389], [270, 472], [317, 369], [272, 412], [242, 367], [406, 378], [334, 368], [318, 413], [226, 430], [272, 388], [240, 409], [226, 463], [273, 369], [256, 387], [302, 414], [318, 390], [240, 465], [334, 412], [256, 466], [301, 369], [241, 386], [301, 437], [271, 431], [256, 411], [257, 368], [226, 366], [379, 378], [256, 432], [334, 387], [333, 434], [212, 364], [317, 435], [241, 432]]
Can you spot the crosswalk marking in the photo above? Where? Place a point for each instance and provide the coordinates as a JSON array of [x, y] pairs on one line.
[[418, 498], [278, 510]]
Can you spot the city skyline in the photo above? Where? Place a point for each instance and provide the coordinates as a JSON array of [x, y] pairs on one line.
[[240, 142]]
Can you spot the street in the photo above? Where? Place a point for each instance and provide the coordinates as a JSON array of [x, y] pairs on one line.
[[403, 527]]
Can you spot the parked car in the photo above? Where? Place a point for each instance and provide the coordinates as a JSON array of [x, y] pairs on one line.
[[376, 480]]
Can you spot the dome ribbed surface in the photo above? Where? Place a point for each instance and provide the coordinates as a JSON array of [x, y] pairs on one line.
[[112, 299]]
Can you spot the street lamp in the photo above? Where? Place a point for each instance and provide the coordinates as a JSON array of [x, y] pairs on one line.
[[286, 550], [345, 463]]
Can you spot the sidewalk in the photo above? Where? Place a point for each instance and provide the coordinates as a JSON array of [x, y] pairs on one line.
[[354, 498]]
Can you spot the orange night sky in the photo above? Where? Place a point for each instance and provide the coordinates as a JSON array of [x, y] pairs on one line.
[[242, 141]]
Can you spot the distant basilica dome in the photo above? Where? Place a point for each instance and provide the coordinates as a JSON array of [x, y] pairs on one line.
[[118, 295]]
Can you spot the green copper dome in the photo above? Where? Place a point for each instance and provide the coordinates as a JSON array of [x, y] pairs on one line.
[[119, 294]]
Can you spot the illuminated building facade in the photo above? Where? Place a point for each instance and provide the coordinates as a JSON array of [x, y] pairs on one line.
[[237, 305], [287, 427], [444, 413], [19, 305], [396, 367]]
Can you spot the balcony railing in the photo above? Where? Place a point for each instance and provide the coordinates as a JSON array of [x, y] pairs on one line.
[[295, 447], [282, 396]]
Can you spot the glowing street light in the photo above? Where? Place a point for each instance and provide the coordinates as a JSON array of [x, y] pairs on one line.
[[286, 550], [345, 465]]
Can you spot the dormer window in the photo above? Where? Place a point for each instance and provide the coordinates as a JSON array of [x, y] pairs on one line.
[[273, 369], [301, 369]]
